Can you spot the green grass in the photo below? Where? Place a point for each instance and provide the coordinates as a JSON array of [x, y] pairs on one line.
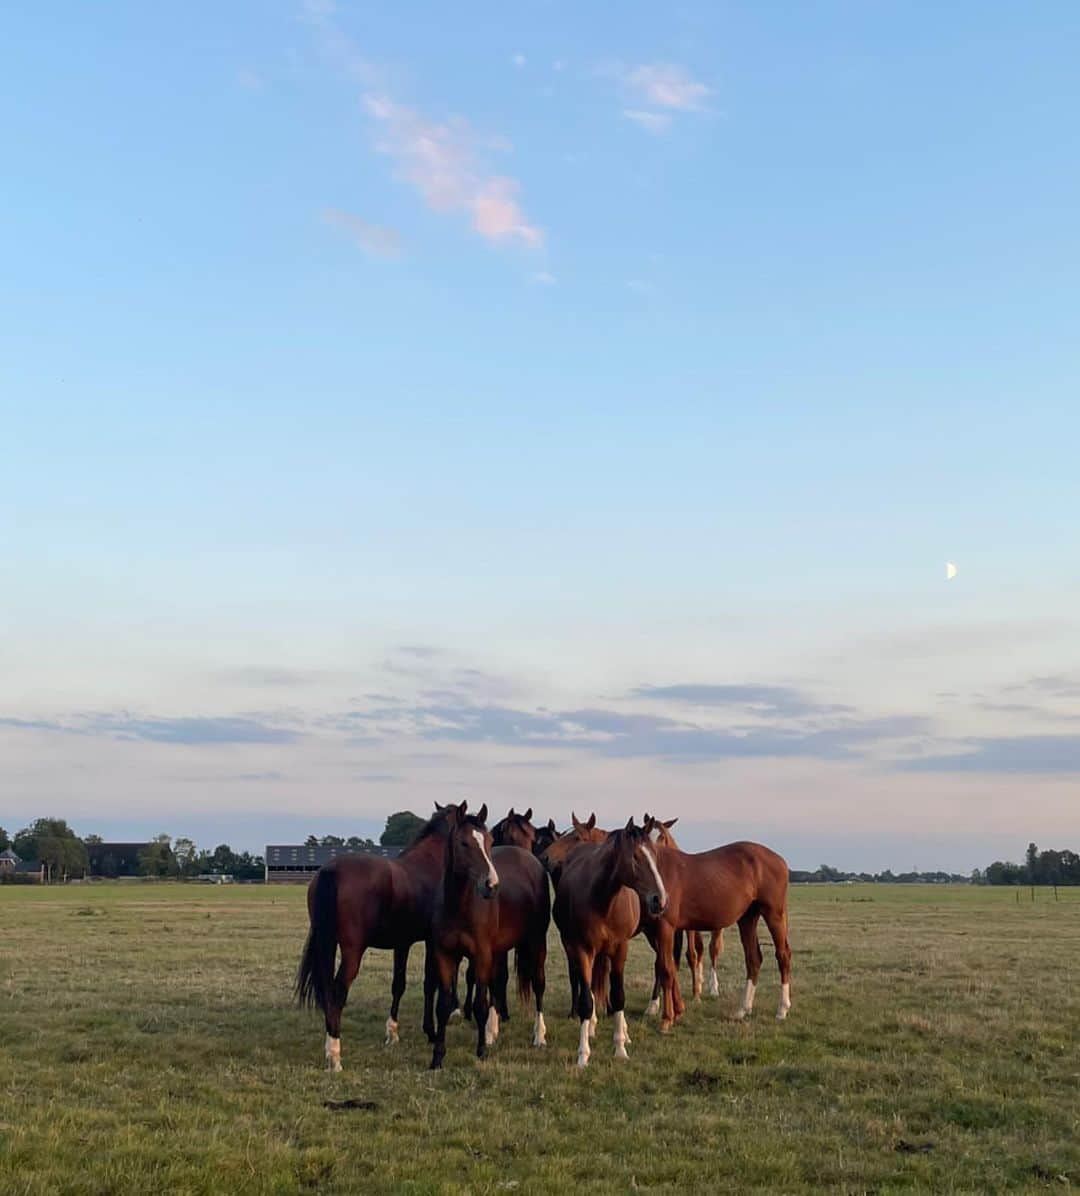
[[148, 1043]]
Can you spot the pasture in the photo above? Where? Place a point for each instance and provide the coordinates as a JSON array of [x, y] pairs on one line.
[[148, 1042]]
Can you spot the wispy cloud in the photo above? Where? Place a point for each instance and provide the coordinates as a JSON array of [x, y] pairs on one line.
[[191, 730], [375, 239], [443, 161], [1045, 754], [772, 700], [651, 122], [543, 278], [667, 85], [518, 60]]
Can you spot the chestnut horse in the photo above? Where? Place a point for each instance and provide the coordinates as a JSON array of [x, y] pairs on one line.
[[598, 912], [492, 900], [695, 945], [741, 883], [361, 901]]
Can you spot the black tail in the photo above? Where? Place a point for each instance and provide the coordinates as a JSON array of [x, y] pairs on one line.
[[678, 948], [601, 973], [315, 979]]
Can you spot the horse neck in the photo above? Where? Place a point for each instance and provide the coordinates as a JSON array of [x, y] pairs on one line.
[[453, 887], [605, 883], [426, 861]]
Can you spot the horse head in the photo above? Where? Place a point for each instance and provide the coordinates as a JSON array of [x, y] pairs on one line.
[[469, 851], [636, 868], [555, 855], [660, 832], [545, 836], [515, 830]]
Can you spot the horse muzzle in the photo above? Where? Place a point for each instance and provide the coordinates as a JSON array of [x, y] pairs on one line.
[[656, 905], [489, 890]]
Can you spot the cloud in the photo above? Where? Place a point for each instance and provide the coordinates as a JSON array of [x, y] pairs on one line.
[[518, 60], [543, 279], [666, 85], [761, 699], [374, 239], [651, 122], [190, 731], [271, 677], [1046, 754]]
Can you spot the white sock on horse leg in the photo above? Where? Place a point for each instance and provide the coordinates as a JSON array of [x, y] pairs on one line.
[[583, 1045], [620, 1037], [333, 1053], [539, 1031], [714, 983], [491, 1030], [592, 1022], [653, 1007], [747, 1002], [785, 1002], [392, 1038]]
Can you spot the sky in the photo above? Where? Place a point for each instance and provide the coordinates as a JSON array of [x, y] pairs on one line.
[[543, 404]]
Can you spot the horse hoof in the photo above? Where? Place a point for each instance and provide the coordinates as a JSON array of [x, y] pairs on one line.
[[434, 1066], [333, 1066], [665, 1027], [781, 1015]]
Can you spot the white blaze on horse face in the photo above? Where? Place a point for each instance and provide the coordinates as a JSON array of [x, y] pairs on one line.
[[539, 1031], [620, 1037], [333, 1053], [785, 1002], [493, 876], [392, 1038], [714, 983], [656, 875], [583, 1045], [491, 1031], [747, 1001]]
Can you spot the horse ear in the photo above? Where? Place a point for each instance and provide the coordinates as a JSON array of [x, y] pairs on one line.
[[592, 821], [670, 823], [574, 822], [482, 815], [551, 824], [511, 814], [630, 824], [463, 807], [528, 814]]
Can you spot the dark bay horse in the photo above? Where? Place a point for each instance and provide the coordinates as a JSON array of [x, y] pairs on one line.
[[515, 830], [545, 836], [660, 832], [739, 883], [598, 912], [361, 901], [492, 901]]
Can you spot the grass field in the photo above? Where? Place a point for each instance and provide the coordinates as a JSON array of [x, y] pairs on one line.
[[148, 1043]]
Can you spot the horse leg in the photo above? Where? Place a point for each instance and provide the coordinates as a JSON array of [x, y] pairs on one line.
[[443, 970], [351, 955], [776, 920], [501, 984], [431, 985], [586, 1006], [653, 1007], [665, 973], [618, 1000], [470, 985], [484, 1011], [752, 950], [401, 962], [716, 945], [539, 984], [695, 957]]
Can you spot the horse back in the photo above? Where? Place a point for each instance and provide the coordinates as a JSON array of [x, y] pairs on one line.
[[524, 899]]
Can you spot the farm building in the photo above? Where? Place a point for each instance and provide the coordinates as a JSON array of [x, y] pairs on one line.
[[12, 865], [114, 859], [293, 863]]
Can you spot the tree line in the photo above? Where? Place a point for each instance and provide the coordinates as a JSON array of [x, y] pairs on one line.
[[65, 854], [1038, 868]]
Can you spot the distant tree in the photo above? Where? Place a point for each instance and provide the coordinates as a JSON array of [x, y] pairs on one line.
[[53, 842], [401, 829], [1032, 860], [311, 841], [5, 842], [157, 858], [187, 856], [92, 840], [332, 841], [358, 844]]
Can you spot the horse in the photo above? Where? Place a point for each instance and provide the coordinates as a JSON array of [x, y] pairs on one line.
[[695, 944], [492, 900], [515, 830], [361, 901], [741, 882], [545, 836], [598, 912]]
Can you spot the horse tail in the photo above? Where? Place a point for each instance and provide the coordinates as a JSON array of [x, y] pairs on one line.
[[677, 948], [315, 979], [524, 965], [601, 973]]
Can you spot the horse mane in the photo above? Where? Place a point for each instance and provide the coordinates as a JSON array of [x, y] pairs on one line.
[[435, 825]]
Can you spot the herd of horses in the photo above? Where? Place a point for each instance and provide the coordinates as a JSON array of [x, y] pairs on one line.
[[473, 894]]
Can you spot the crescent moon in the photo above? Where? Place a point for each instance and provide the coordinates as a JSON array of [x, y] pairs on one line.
[[950, 570]]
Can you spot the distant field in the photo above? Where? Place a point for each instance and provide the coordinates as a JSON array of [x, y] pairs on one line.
[[148, 1044]]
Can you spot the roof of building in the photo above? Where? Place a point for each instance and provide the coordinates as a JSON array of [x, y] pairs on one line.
[[8, 854], [300, 855], [17, 864]]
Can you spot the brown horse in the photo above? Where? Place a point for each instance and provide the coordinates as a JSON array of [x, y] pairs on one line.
[[545, 836], [515, 830], [598, 912], [492, 900], [695, 944], [361, 901], [741, 883]]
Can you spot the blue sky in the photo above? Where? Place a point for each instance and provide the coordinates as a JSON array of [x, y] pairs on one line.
[[409, 401]]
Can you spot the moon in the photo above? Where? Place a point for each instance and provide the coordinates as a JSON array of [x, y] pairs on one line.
[[950, 570]]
